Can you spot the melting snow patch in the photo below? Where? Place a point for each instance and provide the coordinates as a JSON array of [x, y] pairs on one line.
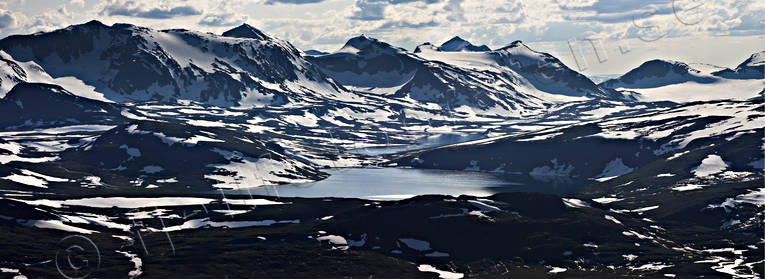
[[665, 175], [484, 207], [132, 152], [636, 234], [613, 219], [557, 270], [554, 170], [441, 274], [644, 209], [575, 203], [606, 200], [251, 202], [651, 267], [677, 155], [335, 240], [688, 187], [168, 180], [136, 262], [613, 169], [230, 212], [712, 164], [27, 180], [590, 245], [199, 223], [755, 197], [120, 202]]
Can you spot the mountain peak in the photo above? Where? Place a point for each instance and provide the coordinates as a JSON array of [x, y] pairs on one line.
[[515, 44], [362, 42], [315, 52], [94, 23], [458, 44], [756, 59], [425, 45], [246, 31], [456, 39], [656, 62]]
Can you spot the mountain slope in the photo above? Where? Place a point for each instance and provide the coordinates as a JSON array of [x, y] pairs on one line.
[[485, 81], [534, 73], [131, 63], [174, 156], [367, 64], [40, 105], [663, 80], [751, 68], [613, 147]]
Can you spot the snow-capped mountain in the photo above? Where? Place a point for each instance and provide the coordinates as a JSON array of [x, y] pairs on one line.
[[535, 73], [248, 32], [752, 68], [13, 72], [130, 63], [454, 44], [511, 81], [664, 80], [548, 74]]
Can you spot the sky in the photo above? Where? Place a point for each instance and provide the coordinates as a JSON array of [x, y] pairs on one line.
[[595, 37]]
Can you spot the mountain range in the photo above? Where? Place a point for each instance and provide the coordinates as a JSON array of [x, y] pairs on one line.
[[126, 133]]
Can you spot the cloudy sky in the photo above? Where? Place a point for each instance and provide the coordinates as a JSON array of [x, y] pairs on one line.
[[593, 36]]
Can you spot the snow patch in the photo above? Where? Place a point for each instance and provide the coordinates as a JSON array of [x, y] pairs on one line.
[[712, 164]]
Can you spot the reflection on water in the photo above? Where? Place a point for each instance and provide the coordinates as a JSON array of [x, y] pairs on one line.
[[401, 183]]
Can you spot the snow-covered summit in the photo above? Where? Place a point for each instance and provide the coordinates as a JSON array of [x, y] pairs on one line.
[[459, 44], [455, 44], [658, 72], [246, 31], [751, 68], [667, 80], [368, 46]]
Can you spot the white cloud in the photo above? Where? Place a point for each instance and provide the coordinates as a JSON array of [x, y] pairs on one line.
[[148, 9], [7, 19]]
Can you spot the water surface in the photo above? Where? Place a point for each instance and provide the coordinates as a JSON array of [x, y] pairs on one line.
[[402, 183]]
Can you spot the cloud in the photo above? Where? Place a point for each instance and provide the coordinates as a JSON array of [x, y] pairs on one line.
[[226, 19], [49, 20], [369, 10], [153, 10], [7, 19], [271, 2]]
